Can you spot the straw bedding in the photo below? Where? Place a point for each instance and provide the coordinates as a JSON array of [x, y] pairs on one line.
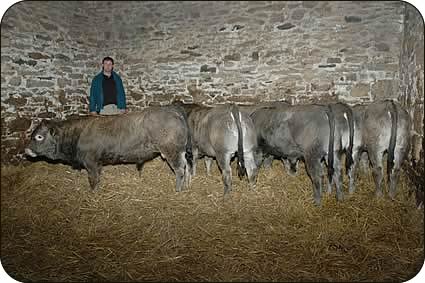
[[53, 228]]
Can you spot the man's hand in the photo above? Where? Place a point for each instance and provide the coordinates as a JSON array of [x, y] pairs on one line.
[[94, 113]]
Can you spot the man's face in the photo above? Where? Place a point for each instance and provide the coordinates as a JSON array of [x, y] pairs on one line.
[[107, 66]]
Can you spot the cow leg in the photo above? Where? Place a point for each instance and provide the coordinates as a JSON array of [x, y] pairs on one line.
[[352, 172], [208, 162], [267, 162], [142, 160], [399, 156], [314, 169], [93, 170], [337, 177], [375, 158], [324, 177], [363, 159], [195, 152], [251, 169], [187, 173], [139, 166], [223, 161], [258, 157], [177, 162]]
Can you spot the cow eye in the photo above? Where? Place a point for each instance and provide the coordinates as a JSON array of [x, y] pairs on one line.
[[39, 137]]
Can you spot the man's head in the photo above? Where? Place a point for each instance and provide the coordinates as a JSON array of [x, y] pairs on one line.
[[107, 64]]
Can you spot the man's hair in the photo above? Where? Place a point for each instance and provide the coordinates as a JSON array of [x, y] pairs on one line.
[[107, 58]]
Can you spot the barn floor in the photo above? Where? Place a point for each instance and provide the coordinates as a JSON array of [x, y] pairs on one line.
[[53, 228]]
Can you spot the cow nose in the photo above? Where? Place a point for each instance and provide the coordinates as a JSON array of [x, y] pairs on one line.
[[30, 152]]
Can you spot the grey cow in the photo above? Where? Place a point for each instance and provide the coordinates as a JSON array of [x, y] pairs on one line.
[[300, 132], [90, 142], [343, 143], [221, 132], [381, 127], [291, 165]]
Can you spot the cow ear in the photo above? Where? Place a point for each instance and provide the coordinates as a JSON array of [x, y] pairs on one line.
[[43, 123], [53, 131]]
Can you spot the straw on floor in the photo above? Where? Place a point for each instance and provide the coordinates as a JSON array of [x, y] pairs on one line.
[[53, 228]]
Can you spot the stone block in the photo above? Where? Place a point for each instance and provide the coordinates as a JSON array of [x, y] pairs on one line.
[[232, 57], [37, 55], [205, 68], [333, 60], [38, 83], [63, 82], [297, 14], [15, 81], [16, 101], [382, 47], [285, 26], [137, 95], [310, 4], [351, 77], [357, 59], [327, 65], [49, 26], [44, 115], [62, 57], [321, 86], [382, 89], [360, 90], [352, 19], [21, 62], [19, 124]]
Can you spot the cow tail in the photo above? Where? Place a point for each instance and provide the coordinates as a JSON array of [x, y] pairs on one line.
[[349, 155], [188, 149], [331, 119], [241, 162], [391, 148], [189, 153]]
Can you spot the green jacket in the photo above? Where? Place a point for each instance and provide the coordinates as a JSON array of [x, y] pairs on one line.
[[96, 92]]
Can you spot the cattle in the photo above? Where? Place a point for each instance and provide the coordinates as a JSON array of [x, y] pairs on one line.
[[267, 160], [222, 132], [343, 143], [91, 142], [299, 132], [381, 127]]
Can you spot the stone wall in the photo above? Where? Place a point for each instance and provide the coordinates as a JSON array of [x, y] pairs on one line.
[[250, 51], [412, 73], [209, 52], [46, 63]]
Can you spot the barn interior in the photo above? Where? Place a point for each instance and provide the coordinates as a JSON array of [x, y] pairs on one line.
[[137, 228]]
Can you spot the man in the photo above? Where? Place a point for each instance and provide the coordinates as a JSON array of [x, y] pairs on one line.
[[107, 96]]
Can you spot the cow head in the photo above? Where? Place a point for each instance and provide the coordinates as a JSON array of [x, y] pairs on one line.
[[43, 141]]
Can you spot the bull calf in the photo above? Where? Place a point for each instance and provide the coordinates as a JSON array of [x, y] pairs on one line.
[[301, 132], [381, 127], [91, 142], [220, 132]]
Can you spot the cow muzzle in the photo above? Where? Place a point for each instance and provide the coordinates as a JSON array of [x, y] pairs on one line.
[[30, 152]]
